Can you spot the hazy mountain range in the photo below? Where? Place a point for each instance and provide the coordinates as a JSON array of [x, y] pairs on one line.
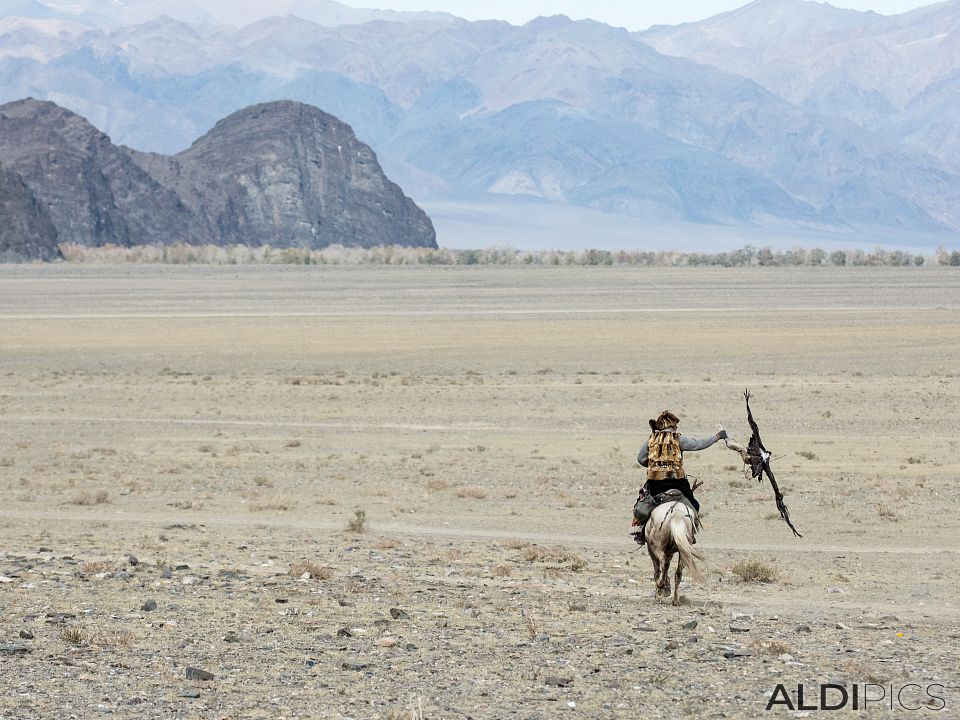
[[785, 121]]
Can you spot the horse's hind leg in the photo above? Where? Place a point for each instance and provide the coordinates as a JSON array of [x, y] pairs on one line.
[[676, 581], [663, 582], [656, 567]]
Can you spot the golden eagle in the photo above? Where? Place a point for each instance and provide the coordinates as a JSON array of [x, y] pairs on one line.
[[758, 457]]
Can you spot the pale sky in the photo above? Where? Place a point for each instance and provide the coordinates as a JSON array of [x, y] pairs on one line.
[[631, 14]]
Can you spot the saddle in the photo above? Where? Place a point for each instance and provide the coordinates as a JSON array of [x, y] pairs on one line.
[[672, 495]]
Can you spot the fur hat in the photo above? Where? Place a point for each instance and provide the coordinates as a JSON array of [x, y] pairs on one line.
[[666, 420]]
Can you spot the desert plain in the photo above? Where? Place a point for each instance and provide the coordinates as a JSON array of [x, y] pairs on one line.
[[404, 492]]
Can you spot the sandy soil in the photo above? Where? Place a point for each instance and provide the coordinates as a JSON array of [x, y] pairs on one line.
[[223, 426]]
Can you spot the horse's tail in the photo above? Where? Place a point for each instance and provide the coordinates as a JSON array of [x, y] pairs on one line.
[[681, 530]]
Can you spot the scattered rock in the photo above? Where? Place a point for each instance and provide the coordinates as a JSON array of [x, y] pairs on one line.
[[14, 650], [343, 602], [644, 627], [356, 667], [231, 637], [786, 657], [281, 601], [578, 607], [190, 580], [43, 549], [690, 625], [555, 681], [841, 626], [803, 628], [344, 632], [387, 642], [889, 619], [5, 579], [166, 574], [739, 628], [672, 645], [194, 694], [55, 618], [132, 559], [310, 662], [182, 567], [26, 635], [731, 654], [398, 614], [198, 674], [149, 606]]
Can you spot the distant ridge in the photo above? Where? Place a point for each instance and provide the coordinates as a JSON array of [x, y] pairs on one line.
[[282, 174]]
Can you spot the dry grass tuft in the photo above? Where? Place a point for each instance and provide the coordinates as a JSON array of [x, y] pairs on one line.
[[756, 571], [95, 567], [90, 497], [472, 491], [887, 513], [317, 572], [386, 543], [773, 648], [568, 560], [74, 635], [276, 503], [358, 522], [502, 570], [438, 484], [533, 629]]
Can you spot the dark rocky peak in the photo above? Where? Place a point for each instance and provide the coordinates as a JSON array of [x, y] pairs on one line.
[[280, 173], [26, 232], [96, 195], [289, 174]]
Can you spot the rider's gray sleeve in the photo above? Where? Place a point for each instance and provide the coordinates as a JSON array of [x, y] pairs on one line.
[[691, 444], [642, 455]]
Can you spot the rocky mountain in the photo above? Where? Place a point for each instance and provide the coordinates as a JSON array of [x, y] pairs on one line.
[[785, 116], [95, 193], [26, 232], [281, 174]]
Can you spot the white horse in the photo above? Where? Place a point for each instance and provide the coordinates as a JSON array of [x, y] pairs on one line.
[[671, 530]]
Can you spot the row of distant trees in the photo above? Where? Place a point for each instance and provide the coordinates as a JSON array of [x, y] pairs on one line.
[[395, 255]]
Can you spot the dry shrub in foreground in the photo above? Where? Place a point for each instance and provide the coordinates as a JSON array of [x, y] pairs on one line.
[[91, 497], [358, 522], [756, 571], [74, 635], [95, 567], [774, 648], [308, 567]]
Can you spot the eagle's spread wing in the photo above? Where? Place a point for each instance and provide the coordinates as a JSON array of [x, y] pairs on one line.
[[759, 459]]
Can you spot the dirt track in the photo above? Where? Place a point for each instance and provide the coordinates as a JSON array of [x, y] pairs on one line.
[[232, 420]]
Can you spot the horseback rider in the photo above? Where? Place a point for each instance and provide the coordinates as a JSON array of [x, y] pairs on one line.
[[662, 455]]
